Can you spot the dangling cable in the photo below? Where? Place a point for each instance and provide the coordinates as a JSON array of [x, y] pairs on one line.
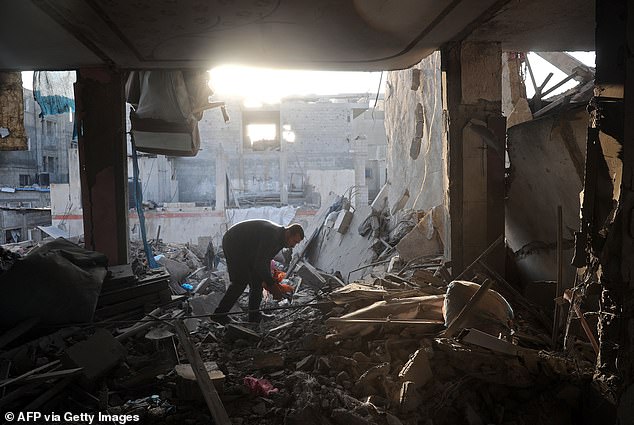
[[138, 201]]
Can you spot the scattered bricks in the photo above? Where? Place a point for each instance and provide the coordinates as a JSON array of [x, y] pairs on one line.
[[98, 355], [417, 369], [186, 386], [268, 361], [306, 364], [409, 399]]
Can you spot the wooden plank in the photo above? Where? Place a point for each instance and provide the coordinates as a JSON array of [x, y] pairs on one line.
[[386, 321], [104, 312], [41, 377], [518, 297], [218, 412], [568, 296], [481, 256], [559, 288], [456, 324], [124, 294], [29, 373], [18, 331]]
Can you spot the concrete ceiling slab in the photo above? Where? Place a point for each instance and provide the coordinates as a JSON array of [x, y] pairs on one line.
[[541, 25], [309, 34]]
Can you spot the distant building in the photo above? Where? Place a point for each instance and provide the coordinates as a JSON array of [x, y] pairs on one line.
[[25, 174], [294, 152]]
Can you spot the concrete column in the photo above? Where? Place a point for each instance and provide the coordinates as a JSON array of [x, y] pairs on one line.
[[103, 161], [284, 181], [610, 132], [221, 179], [360, 146], [475, 132], [283, 175]]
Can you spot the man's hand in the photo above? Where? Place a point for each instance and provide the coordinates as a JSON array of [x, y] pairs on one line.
[[279, 290]]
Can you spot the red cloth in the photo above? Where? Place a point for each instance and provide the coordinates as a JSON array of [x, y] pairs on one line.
[[261, 387], [279, 290]]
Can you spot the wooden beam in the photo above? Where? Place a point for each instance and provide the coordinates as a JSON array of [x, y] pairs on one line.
[[29, 373], [218, 412]]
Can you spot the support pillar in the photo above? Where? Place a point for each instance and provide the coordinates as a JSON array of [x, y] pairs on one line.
[[284, 182], [221, 179], [360, 146], [475, 132], [103, 161]]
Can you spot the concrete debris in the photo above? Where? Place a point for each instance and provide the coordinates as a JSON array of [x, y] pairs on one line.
[[417, 369], [370, 352], [97, 355], [492, 314]]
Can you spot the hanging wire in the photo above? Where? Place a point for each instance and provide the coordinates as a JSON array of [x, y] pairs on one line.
[[138, 200]]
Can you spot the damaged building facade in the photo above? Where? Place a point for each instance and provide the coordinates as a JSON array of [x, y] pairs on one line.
[[320, 146], [489, 280]]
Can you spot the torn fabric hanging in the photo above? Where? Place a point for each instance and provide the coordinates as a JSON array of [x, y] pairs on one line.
[[53, 91], [167, 106]]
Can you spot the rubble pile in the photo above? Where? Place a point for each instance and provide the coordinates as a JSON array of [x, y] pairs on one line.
[[406, 343], [313, 363]]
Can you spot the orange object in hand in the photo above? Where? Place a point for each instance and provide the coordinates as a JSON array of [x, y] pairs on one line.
[[279, 290], [278, 275]]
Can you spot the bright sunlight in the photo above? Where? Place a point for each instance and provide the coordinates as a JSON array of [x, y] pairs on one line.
[[262, 85]]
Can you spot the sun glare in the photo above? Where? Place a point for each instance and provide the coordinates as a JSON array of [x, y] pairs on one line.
[[263, 85]]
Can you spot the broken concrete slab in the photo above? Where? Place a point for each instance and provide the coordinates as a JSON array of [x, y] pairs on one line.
[[268, 361], [97, 355], [426, 238], [409, 398], [234, 332], [355, 292], [417, 369], [492, 313]]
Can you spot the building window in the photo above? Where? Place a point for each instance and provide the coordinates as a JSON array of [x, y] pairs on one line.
[[48, 164], [368, 173], [50, 129], [288, 134], [13, 235], [25, 180], [261, 130]]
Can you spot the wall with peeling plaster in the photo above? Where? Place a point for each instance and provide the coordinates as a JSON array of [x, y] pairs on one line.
[[413, 122], [546, 157]]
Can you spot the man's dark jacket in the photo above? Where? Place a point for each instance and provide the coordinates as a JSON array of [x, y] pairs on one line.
[[251, 245]]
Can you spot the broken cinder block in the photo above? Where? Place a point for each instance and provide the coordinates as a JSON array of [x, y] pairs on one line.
[[97, 355]]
